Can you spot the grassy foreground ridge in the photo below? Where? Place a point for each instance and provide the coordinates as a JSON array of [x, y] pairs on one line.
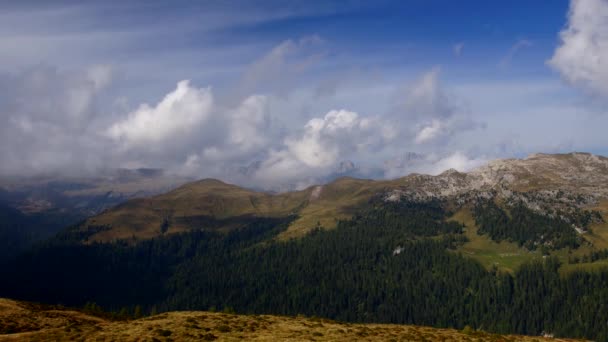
[[21, 321]]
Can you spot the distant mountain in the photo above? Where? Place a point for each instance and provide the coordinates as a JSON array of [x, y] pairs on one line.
[[35, 208], [87, 195], [544, 183]]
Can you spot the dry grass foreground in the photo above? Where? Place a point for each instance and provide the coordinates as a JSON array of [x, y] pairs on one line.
[[30, 322]]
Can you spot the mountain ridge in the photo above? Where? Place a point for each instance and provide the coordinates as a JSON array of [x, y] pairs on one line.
[[540, 175]]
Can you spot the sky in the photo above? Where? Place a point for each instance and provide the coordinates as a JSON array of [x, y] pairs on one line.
[[282, 94]]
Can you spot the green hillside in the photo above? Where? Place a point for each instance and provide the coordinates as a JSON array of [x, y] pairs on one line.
[[187, 207], [392, 262]]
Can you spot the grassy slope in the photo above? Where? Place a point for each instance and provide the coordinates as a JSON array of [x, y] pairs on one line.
[[508, 256], [322, 205], [23, 321], [599, 240], [142, 218], [505, 255], [335, 201]]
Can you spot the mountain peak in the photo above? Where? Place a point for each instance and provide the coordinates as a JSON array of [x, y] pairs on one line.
[[211, 182], [450, 172]]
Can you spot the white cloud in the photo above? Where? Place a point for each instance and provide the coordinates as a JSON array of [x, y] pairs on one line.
[[429, 132], [249, 123], [54, 123], [189, 133], [582, 56], [322, 144], [178, 114], [424, 114], [318, 146]]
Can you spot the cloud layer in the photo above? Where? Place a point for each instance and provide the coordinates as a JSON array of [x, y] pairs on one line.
[[49, 118], [582, 56], [54, 118], [236, 97]]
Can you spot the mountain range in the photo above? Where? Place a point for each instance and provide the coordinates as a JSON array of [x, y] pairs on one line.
[[545, 183], [514, 246]]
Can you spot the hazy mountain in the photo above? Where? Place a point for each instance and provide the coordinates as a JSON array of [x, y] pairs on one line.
[[35, 208], [88, 195]]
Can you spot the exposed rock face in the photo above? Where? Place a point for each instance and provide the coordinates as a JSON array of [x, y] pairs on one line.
[[545, 183], [579, 173]]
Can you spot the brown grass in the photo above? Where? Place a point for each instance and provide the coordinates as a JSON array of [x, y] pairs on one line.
[[27, 322], [142, 218]]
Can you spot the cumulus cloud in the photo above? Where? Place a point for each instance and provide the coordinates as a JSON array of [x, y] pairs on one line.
[[178, 114], [55, 123], [245, 135], [240, 117], [424, 114], [322, 144], [582, 55], [190, 133], [325, 138]]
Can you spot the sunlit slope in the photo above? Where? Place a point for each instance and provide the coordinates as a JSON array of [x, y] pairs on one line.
[[508, 256], [28, 322], [546, 182], [186, 208], [191, 206]]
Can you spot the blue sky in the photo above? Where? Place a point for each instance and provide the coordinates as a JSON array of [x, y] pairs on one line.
[[286, 90]]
